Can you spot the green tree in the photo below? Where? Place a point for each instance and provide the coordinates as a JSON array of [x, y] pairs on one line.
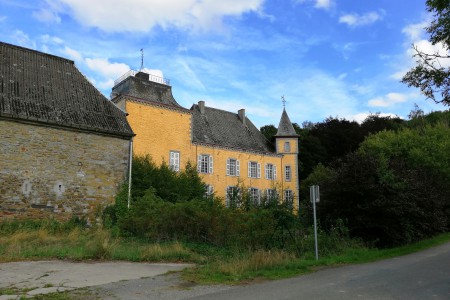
[[167, 184], [393, 190], [432, 77]]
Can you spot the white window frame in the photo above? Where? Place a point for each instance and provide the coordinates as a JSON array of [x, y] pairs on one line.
[[288, 173], [254, 169], [271, 194], [209, 190], [233, 167], [205, 164], [287, 147], [174, 160], [230, 191], [288, 196], [271, 172], [255, 195]]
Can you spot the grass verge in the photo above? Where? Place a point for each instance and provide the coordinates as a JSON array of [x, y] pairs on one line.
[[277, 265], [29, 241]]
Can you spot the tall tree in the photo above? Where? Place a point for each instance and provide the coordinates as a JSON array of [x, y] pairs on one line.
[[431, 74]]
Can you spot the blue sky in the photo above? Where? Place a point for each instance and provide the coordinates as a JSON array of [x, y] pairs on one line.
[[341, 58]]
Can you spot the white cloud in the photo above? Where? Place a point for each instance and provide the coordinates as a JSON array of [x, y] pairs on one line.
[[342, 76], [107, 69], [346, 49], [143, 15], [428, 48], [105, 85], [390, 99], [188, 76], [46, 16], [72, 54], [361, 89], [51, 39], [355, 20], [154, 72], [360, 117], [399, 74], [22, 39], [323, 4], [415, 31], [320, 4]]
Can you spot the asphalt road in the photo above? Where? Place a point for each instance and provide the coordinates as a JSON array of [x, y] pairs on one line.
[[423, 275]]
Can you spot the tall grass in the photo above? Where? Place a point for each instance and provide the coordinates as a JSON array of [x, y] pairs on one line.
[[46, 240]]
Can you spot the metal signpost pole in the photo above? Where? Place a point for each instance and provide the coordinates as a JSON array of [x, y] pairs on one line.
[[314, 195]]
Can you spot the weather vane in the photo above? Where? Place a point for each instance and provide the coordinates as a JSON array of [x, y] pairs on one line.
[[142, 59], [284, 101]]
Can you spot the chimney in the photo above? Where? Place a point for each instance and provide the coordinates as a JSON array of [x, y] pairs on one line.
[[201, 106], [241, 114]]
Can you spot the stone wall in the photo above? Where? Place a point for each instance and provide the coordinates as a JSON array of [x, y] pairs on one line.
[[54, 172]]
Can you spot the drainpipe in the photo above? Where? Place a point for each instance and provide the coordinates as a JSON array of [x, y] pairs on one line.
[[129, 172]]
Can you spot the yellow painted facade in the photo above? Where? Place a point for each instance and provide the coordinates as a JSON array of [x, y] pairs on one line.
[[161, 129]]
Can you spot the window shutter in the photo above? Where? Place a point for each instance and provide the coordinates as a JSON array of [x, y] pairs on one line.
[[228, 167], [258, 171], [249, 172], [210, 164], [274, 172], [238, 171], [199, 163], [266, 171]]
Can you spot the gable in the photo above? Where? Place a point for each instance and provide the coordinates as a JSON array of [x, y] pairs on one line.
[[39, 87]]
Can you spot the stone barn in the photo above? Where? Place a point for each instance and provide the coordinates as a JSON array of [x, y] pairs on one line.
[[64, 147]]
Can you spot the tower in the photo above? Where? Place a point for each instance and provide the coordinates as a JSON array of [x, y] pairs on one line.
[[286, 141]]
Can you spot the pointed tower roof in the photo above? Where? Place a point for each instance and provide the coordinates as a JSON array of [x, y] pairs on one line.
[[285, 127]]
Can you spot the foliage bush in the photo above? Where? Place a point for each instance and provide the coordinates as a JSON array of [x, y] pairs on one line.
[[393, 191]]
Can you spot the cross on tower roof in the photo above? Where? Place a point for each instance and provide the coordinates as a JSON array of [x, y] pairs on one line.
[[284, 101]]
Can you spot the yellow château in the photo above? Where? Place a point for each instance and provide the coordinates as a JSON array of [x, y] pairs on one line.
[[228, 150]]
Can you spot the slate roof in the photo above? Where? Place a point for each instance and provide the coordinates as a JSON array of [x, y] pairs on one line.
[[39, 87], [141, 87], [285, 127], [222, 128]]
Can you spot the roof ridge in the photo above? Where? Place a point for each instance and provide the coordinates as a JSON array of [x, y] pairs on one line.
[[51, 89], [219, 109]]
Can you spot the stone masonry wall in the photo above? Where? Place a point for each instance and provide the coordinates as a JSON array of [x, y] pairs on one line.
[[59, 173]]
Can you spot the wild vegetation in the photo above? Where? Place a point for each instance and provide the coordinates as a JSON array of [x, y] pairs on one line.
[[384, 184], [393, 189], [388, 190]]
